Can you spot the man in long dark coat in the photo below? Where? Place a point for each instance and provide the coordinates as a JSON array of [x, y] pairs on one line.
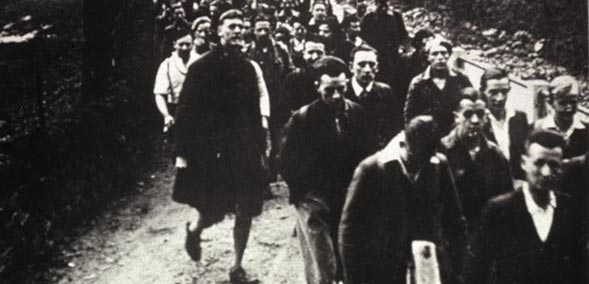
[[220, 141]]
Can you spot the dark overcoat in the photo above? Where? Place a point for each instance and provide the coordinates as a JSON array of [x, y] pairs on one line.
[[219, 131], [376, 230]]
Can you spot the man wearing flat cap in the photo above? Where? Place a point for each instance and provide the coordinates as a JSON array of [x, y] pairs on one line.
[[324, 143], [220, 141]]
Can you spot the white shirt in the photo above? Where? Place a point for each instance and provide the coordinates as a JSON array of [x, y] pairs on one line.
[[170, 76], [548, 123], [542, 217], [264, 96], [358, 89], [501, 131]]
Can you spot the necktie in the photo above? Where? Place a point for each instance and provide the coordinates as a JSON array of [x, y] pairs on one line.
[[363, 94]]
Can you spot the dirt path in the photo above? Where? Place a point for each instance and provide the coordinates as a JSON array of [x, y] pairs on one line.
[[143, 242]]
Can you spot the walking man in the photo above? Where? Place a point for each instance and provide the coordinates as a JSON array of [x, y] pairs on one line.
[[436, 91], [170, 77], [480, 169], [533, 234], [382, 105], [220, 141], [323, 146], [402, 200]]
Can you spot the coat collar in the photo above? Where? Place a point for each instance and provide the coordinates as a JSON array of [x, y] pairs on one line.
[[392, 151], [451, 141], [426, 75]]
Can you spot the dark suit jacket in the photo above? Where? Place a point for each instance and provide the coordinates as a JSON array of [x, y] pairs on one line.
[[518, 128], [384, 113], [507, 250], [315, 159], [478, 179], [424, 98]]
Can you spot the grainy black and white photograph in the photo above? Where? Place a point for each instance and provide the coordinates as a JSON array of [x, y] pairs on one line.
[[294, 142]]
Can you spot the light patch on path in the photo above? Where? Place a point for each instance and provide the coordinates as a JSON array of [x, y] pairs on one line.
[[149, 248]]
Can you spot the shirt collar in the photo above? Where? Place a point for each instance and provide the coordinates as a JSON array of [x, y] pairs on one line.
[[426, 75], [358, 89], [451, 141], [531, 205], [179, 63], [392, 152], [509, 113], [548, 123]]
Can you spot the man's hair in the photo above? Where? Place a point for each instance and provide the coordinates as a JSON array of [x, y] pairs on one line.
[[263, 17], [283, 29], [222, 5], [332, 24], [422, 130], [417, 41], [493, 73], [471, 94], [315, 39], [176, 35], [199, 21], [546, 138], [441, 42], [330, 65], [231, 14], [562, 85], [362, 47]]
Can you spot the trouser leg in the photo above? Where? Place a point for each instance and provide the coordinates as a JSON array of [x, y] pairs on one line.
[[276, 144], [316, 243]]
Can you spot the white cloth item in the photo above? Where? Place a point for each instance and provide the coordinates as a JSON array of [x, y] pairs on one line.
[[426, 270], [170, 76], [548, 123], [501, 131], [542, 217], [264, 96], [358, 89]]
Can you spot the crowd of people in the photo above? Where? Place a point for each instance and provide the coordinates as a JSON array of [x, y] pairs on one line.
[[399, 170]]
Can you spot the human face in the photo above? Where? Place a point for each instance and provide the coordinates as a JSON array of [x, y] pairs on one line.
[[543, 167], [324, 31], [202, 34], [470, 119], [262, 31], [332, 89], [183, 45], [214, 11], [496, 93], [361, 7], [231, 32], [319, 12], [438, 56], [565, 105], [299, 30], [313, 51], [354, 29], [364, 67]]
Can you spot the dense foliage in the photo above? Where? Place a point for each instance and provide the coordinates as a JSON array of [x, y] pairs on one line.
[[89, 150]]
